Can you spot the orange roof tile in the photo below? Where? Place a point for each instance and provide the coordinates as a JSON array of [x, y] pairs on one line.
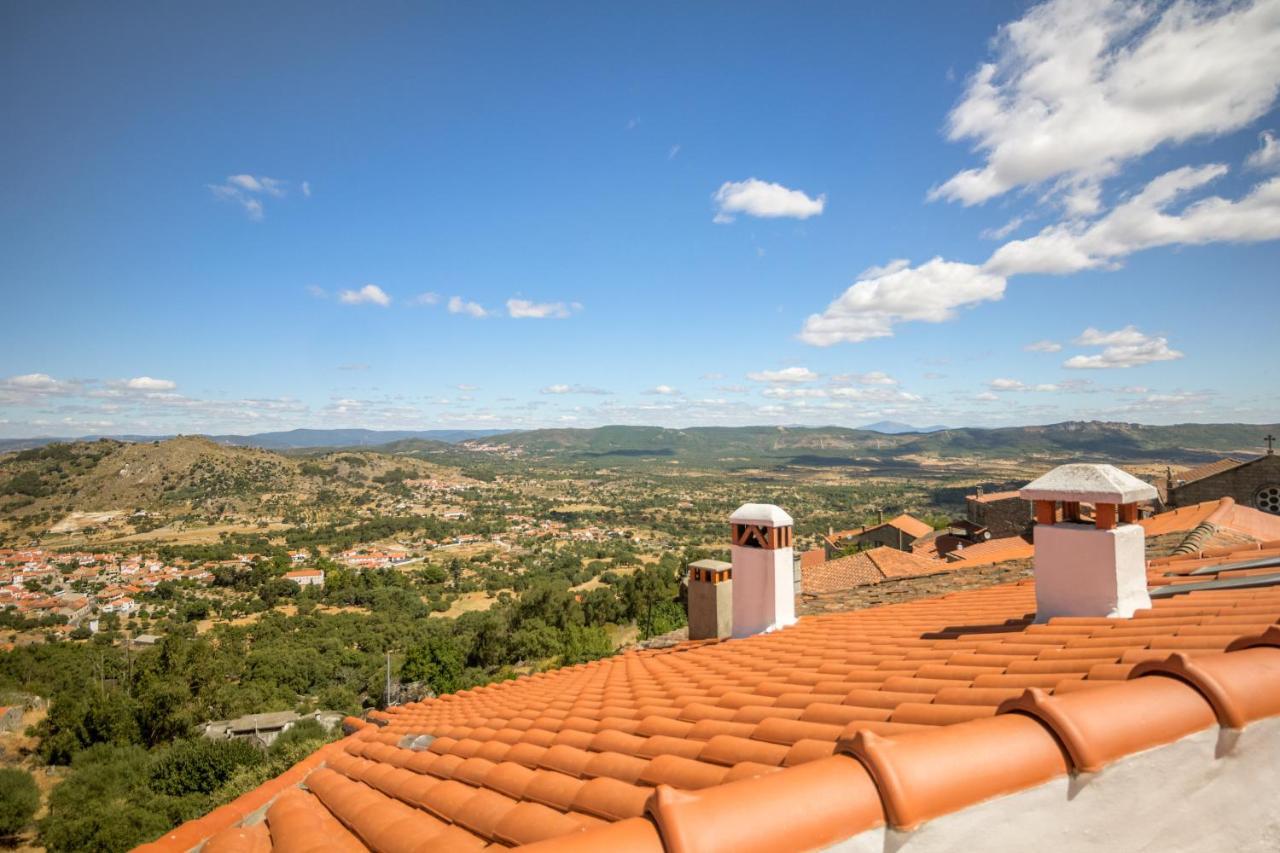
[[993, 551], [993, 496], [843, 722]]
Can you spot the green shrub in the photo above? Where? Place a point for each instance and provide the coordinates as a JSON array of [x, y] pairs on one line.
[[19, 800]]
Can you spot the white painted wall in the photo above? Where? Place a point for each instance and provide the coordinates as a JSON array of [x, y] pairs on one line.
[[764, 597], [1084, 571], [1216, 791]]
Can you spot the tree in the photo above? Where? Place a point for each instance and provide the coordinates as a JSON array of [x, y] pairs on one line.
[[19, 800], [200, 765], [438, 662]]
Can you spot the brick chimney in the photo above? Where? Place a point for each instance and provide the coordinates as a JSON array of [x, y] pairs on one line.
[[710, 600], [1089, 568], [763, 569]]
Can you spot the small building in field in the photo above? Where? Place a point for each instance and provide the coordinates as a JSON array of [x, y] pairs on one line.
[[306, 577]]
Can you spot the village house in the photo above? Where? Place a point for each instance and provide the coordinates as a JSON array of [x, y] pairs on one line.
[[306, 577], [899, 532]]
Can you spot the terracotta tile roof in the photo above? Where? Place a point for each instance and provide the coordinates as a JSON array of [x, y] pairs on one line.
[[1181, 520], [993, 551], [812, 557], [910, 525], [1208, 470], [843, 722], [992, 496], [867, 567], [905, 522]]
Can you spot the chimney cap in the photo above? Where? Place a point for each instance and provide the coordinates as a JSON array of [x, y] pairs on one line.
[[766, 514], [714, 565], [1089, 483]]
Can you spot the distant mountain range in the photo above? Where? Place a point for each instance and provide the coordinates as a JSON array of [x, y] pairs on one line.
[[898, 428], [745, 447], [736, 447], [294, 439]]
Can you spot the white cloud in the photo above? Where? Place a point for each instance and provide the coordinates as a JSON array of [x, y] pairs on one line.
[[245, 182], [1043, 346], [1268, 154], [38, 384], [873, 377], [315, 291], [673, 152], [574, 389], [1079, 88], [242, 190], [755, 197], [458, 305], [1127, 347], [427, 298], [787, 374], [1018, 385], [877, 394], [524, 309], [146, 383], [664, 390], [306, 189], [370, 293], [929, 293], [783, 393], [1142, 222], [986, 397]]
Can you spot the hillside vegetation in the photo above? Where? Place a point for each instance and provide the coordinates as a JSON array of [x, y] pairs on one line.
[[764, 446]]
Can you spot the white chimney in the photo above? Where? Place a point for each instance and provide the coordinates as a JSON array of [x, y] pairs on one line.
[[763, 584], [1093, 568]]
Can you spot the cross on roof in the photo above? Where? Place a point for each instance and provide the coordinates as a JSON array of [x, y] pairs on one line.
[[1270, 440]]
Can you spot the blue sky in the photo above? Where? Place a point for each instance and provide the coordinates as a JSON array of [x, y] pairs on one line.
[[240, 218]]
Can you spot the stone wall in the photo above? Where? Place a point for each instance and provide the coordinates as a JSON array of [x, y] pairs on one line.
[[1004, 517], [1244, 483]]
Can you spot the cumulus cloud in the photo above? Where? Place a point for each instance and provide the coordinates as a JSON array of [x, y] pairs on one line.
[[525, 309], [663, 390], [755, 197], [1043, 346], [1143, 222], [1127, 347], [458, 305], [427, 298], [1077, 89], [35, 384], [1268, 154], [369, 294], [786, 374], [883, 297]]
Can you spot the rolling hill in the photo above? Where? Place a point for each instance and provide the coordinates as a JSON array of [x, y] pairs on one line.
[[745, 446]]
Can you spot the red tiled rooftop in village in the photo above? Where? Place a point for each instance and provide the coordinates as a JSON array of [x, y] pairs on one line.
[[867, 567], [797, 739]]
